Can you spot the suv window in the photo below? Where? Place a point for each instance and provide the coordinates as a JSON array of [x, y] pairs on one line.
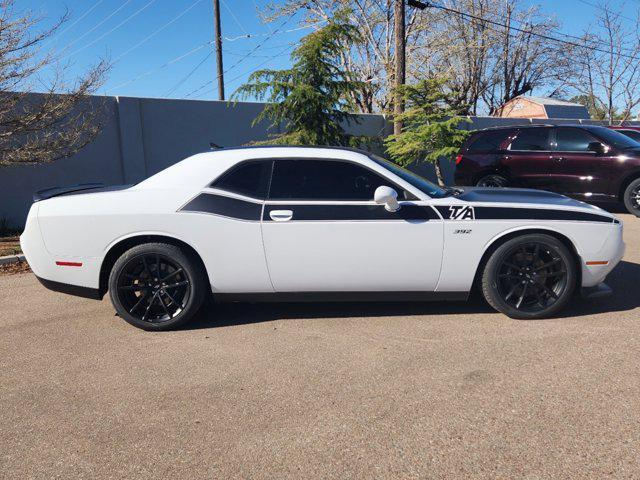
[[634, 134], [247, 178], [531, 139], [488, 141], [573, 140], [323, 180]]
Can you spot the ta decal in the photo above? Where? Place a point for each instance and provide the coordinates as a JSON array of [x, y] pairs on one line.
[[459, 212]]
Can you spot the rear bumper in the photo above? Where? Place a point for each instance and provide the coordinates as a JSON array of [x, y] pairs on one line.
[[69, 289], [55, 271]]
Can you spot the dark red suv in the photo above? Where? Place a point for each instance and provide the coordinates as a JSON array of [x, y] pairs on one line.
[[591, 163]]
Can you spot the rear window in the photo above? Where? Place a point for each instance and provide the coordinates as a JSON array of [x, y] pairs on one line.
[[531, 139], [248, 178], [488, 141]]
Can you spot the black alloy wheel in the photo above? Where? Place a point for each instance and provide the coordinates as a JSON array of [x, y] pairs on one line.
[[529, 277], [156, 286], [492, 180], [632, 197], [153, 288]]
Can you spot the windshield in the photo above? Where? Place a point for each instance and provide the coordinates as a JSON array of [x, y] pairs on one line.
[[615, 139], [417, 181]]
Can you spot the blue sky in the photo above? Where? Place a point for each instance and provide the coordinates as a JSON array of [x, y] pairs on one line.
[[161, 49]]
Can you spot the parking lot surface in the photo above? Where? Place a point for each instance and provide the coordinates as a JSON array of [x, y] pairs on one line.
[[425, 390]]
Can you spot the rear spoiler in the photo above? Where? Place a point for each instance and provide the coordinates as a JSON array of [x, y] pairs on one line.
[[57, 191]]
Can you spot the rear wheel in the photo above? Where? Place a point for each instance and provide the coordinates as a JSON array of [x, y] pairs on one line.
[[157, 286], [632, 197], [492, 180], [528, 277]]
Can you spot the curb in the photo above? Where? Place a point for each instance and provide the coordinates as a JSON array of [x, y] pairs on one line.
[[12, 259]]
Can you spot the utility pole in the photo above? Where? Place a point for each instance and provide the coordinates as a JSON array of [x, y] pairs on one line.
[[399, 20], [218, 40]]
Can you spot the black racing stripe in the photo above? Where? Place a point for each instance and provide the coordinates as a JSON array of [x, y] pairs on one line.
[[353, 212], [225, 206], [514, 213]]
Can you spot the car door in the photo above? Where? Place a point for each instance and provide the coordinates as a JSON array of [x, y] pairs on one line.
[[579, 171], [323, 232], [528, 159]]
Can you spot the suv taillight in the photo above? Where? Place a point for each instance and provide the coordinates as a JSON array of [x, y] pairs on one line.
[[458, 159]]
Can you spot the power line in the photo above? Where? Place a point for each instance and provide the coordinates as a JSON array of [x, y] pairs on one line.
[[72, 24], [529, 32], [150, 36], [243, 73], [130, 17], [600, 7], [252, 35], [575, 37], [268, 37], [233, 15], [164, 65], [186, 77], [98, 24]]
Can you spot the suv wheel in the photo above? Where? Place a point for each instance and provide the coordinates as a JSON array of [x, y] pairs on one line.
[[632, 197], [529, 277], [492, 180], [157, 286]]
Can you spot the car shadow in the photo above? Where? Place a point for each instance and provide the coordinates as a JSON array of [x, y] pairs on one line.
[[623, 280], [240, 313]]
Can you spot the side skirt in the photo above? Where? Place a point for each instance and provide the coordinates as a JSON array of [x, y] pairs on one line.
[[293, 297], [75, 290]]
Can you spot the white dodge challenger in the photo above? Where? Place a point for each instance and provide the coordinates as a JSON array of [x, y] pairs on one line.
[[295, 223]]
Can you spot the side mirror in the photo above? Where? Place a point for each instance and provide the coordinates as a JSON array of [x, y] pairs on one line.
[[597, 147], [388, 197]]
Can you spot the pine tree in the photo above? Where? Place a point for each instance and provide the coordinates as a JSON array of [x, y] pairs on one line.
[[311, 99], [430, 126]]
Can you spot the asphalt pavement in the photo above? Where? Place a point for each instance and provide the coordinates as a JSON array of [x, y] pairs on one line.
[[422, 390]]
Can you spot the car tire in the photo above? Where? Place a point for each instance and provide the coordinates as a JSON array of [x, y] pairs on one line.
[[529, 277], [493, 180], [632, 197], [157, 286]]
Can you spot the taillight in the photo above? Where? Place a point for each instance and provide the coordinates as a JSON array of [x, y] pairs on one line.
[[458, 159], [61, 263]]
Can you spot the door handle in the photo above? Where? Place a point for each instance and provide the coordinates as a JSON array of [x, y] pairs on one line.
[[558, 159], [281, 215]]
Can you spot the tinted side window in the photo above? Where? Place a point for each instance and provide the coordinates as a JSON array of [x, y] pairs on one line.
[[634, 134], [573, 140], [531, 139], [489, 141], [248, 178], [323, 180]]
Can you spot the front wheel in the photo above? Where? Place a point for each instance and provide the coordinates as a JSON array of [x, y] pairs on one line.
[[632, 197], [157, 286], [529, 277]]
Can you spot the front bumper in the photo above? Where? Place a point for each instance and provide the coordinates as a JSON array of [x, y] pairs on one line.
[[611, 251]]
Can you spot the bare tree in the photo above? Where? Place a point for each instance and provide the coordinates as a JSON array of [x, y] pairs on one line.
[[56, 121], [526, 60], [609, 64], [493, 51], [486, 64]]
